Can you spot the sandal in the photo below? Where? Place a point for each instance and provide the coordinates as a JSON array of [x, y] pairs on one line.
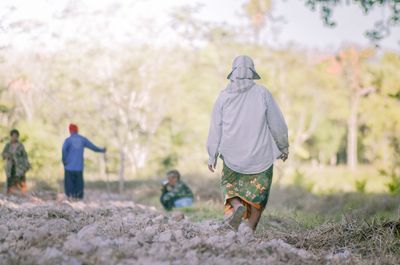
[[236, 218]]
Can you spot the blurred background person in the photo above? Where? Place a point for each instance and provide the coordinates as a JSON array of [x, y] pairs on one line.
[[73, 161], [17, 164], [175, 193]]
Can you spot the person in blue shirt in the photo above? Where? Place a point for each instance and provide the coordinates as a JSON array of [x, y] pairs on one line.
[[72, 158]]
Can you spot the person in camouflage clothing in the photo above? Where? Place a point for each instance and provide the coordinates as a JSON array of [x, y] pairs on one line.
[[175, 193], [17, 164]]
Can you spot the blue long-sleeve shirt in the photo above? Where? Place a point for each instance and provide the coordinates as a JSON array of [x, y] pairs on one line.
[[73, 149]]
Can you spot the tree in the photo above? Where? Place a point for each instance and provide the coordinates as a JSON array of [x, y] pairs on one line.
[[349, 65], [257, 11], [131, 112], [380, 114], [381, 28]]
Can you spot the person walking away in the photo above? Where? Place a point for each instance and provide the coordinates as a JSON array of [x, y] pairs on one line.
[[175, 193], [248, 131], [73, 161], [17, 164]]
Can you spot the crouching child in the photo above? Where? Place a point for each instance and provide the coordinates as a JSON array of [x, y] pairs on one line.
[[175, 193]]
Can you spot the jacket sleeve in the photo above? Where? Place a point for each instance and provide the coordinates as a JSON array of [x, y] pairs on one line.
[[65, 149], [277, 124], [91, 146], [215, 131]]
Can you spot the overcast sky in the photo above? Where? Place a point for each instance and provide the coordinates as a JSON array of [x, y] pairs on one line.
[[148, 21], [305, 27]]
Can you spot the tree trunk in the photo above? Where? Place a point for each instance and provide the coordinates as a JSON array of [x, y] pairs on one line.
[[104, 172], [121, 170], [333, 160], [352, 130]]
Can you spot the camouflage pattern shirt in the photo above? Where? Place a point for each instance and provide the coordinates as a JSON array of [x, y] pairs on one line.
[[15, 156], [180, 190]]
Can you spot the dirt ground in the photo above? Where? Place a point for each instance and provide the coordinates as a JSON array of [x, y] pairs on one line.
[[103, 230]]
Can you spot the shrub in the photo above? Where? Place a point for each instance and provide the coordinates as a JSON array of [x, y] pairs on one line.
[[360, 185], [394, 181], [394, 185]]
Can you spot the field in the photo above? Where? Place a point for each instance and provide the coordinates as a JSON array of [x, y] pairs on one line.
[[298, 227], [144, 80]]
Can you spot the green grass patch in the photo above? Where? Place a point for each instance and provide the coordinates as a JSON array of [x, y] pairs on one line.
[[201, 211]]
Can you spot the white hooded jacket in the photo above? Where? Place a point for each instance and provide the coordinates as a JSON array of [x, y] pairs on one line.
[[247, 127]]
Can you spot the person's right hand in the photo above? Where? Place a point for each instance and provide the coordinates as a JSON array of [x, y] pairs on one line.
[[284, 156], [105, 150]]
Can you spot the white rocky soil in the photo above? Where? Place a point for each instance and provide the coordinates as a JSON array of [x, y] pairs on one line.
[[121, 232]]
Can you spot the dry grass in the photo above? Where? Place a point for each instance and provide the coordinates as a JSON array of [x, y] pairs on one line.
[[369, 240], [336, 228]]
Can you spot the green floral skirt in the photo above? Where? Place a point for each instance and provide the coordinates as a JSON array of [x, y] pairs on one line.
[[252, 189]]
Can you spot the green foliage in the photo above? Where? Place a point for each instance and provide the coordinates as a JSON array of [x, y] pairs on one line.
[[167, 122], [381, 27], [4, 109], [40, 146], [360, 185], [392, 169], [295, 219], [169, 161], [155, 108], [380, 113], [204, 211], [394, 185], [300, 180]]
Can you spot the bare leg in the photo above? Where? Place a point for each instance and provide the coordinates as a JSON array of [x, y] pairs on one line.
[[238, 210], [235, 202], [254, 218]]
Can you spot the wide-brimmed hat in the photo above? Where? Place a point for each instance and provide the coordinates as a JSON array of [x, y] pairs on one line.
[[243, 68]]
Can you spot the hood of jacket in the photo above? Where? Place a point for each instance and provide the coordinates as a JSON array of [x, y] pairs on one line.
[[242, 75]]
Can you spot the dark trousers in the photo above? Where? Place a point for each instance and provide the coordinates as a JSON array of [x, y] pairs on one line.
[[73, 184]]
